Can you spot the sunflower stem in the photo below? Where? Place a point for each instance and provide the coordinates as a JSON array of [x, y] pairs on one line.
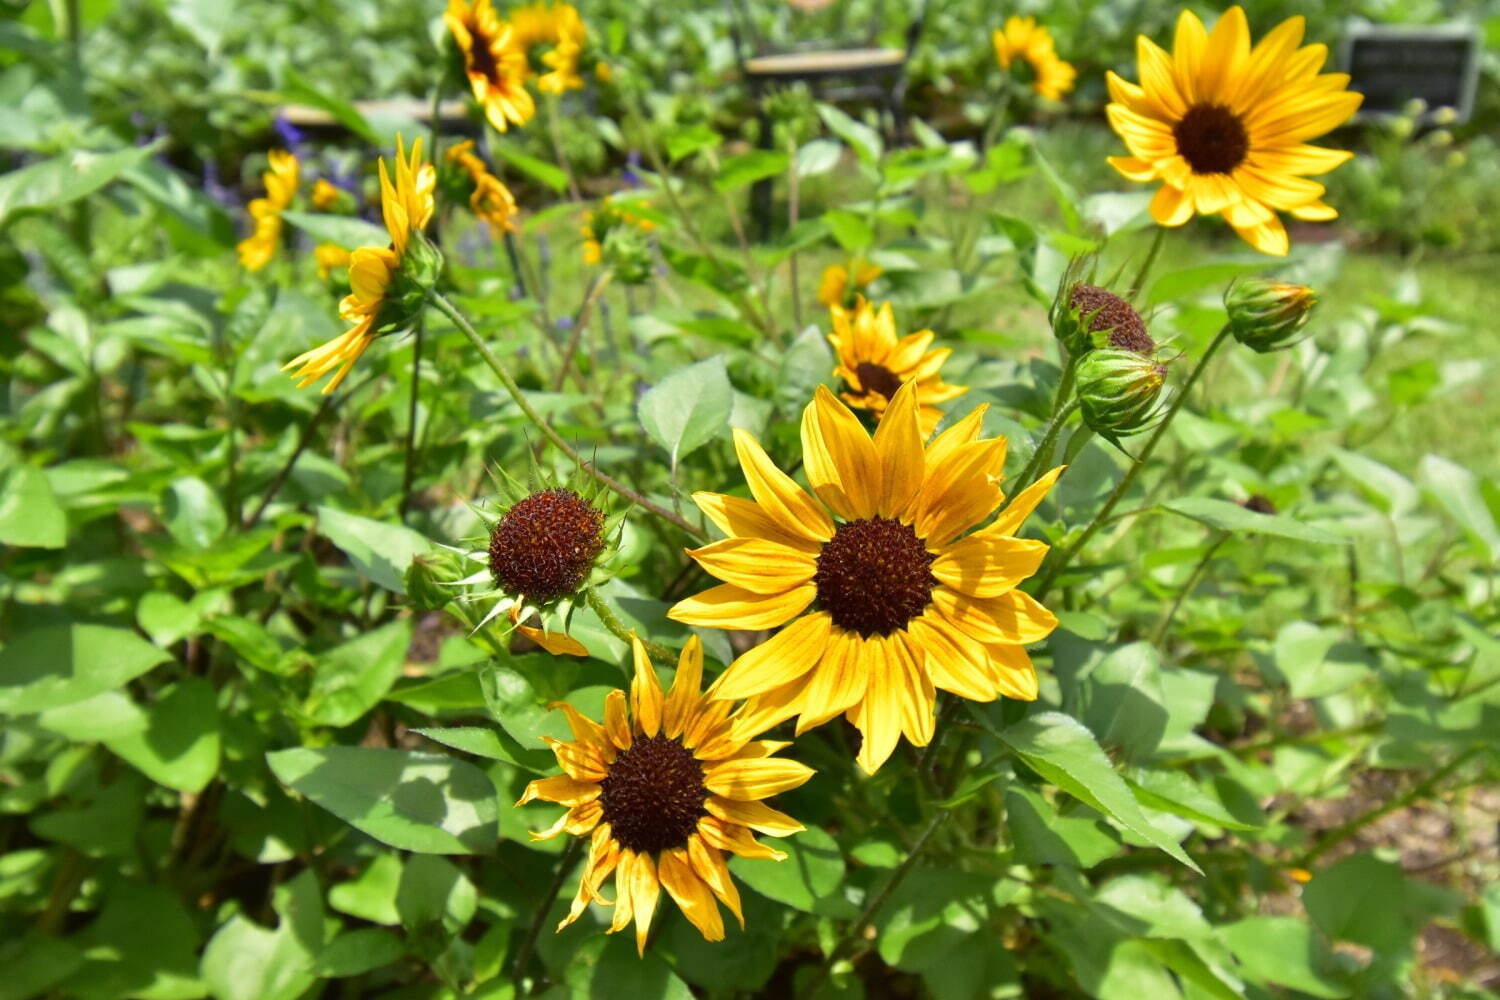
[[581, 320], [607, 481], [409, 468], [1063, 406], [1066, 555], [528, 944], [1159, 634], [1146, 265], [617, 628]]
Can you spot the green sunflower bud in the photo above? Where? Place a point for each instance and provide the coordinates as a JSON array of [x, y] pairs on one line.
[[627, 252], [1088, 317], [422, 264], [1267, 315], [1118, 391]]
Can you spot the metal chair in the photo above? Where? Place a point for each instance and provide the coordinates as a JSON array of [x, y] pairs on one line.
[[854, 60]]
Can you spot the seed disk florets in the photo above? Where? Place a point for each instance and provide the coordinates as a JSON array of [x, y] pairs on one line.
[[1126, 329], [1212, 139], [544, 546], [653, 795], [874, 575]]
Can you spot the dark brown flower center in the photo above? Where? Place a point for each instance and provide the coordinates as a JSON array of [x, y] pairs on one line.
[[653, 795], [874, 575], [877, 378], [544, 546], [1127, 331], [481, 59], [1212, 139]]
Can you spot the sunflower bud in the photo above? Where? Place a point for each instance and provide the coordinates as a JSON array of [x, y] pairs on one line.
[[422, 264], [627, 252], [1118, 391], [1090, 317], [1267, 315], [544, 548]]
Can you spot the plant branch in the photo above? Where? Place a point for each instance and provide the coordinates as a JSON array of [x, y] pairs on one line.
[[528, 944]]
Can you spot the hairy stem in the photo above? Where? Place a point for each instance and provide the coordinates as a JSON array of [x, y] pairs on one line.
[[619, 631], [581, 320]]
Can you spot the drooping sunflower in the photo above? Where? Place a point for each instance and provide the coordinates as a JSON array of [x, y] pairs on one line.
[[1225, 126], [884, 589], [406, 204], [834, 288], [494, 63], [874, 362], [257, 249], [491, 201], [662, 791], [1024, 40]]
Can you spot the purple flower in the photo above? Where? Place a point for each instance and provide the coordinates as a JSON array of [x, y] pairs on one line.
[[291, 135]]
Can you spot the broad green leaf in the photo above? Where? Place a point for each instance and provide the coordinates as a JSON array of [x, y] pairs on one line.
[[350, 679], [1316, 663], [1178, 793], [851, 231], [1185, 283], [818, 157], [538, 170], [688, 408], [1123, 700], [60, 664], [192, 513], [1231, 517], [34, 963], [434, 890], [1460, 493], [355, 952], [1040, 836], [1372, 903], [493, 745], [144, 943], [1281, 950], [180, 745], [245, 961], [340, 230], [378, 550], [811, 873], [747, 168], [1389, 489], [420, 802], [30, 516], [690, 139], [864, 140], [107, 715], [1063, 752], [63, 179], [299, 90], [372, 894]]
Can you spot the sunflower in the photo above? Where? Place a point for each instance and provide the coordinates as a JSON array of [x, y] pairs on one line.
[[1025, 40], [491, 201], [325, 194], [495, 64], [406, 204], [833, 287], [1225, 126], [874, 362], [257, 249], [556, 643], [883, 595], [662, 797]]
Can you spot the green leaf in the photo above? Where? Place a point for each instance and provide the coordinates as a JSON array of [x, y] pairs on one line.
[[818, 157], [372, 895], [1314, 663], [434, 891], [380, 551], [356, 952], [688, 408], [60, 664], [1372, 903], [811, 874], [419, 802], [63, 179], [1281, 950], [245, 961], [1178, 793], [350, 679], [539, 170], [690, 139], [180, 746], [34, 963], [747, 168], [1187, 282], [864, 140], [1123, 700], [852, 232], [1063, 752], [1232, 517], [1459, 492], [144, 943], [30, 516], [299, 90], [340, 230], [493, 745], [192, 513], [1041, 836], [107, 715]]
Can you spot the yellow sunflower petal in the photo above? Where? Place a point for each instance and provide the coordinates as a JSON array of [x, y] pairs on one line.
[[878, 714], [953, 661], [645, 888], [1013, 673], [756, 815], [839, 457], [1022, 504], [779, 497], [616, 721], [914, 690], [684, 696], [578, 760], [757, 565], [735, 839], [708, 862], [645, 691], [560, 789], [586, 730], [763, 711], [987, 566], [1269, 237], [690, 893], [624, 900], [837, 684], [1171, 207], [1225, 56], [731, 607], [898, 448], [780, 660], [747, 779], [1187, 55], [740, 518], [1134, 169]]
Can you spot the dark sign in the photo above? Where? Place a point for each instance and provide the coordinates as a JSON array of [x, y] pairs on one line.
[[1393, 66]]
